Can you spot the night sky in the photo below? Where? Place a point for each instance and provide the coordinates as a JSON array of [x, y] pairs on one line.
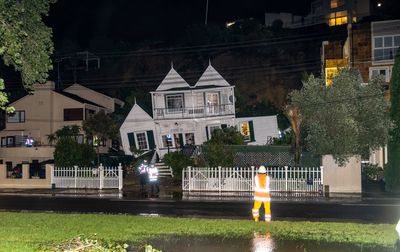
[[78, 23]]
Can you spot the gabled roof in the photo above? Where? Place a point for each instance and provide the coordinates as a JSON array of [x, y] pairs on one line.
[[78, 98], [211, 77], [137, 114], [172, 80]]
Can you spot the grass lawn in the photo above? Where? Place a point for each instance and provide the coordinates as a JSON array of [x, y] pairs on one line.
[[25, 231]]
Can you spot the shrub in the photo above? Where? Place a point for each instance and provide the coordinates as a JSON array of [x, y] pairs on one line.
[[69, 152], [373, 172], [177, 161]]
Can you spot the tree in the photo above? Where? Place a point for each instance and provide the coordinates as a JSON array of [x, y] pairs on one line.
[[101, 127], [217, 150], [25, 42], [344, 119], [68, 152], [392, 171]]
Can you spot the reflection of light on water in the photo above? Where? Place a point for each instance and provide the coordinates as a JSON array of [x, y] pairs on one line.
[[263, 243]]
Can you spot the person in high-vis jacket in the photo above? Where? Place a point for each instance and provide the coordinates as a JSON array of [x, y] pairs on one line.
[[143, 170], [153, 180], [262, 194]]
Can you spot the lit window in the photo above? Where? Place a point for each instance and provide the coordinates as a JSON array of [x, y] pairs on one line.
[[245, 131], [330, 73], [167, 140], [385, 47], [337, 3], [174, 103], [337, 18], [17, 117], [142, 141]]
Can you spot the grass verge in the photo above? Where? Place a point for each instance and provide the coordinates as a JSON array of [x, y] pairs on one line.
[[25, 231]]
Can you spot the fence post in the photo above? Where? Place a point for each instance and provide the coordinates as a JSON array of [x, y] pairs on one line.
[[52, 183], [183, 179], [322, 175], [252, 178], [219, 179], [120, 177], [189, 177], [101, 176], [76, 174], [286, 178]]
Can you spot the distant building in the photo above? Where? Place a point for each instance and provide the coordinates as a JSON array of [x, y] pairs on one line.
[[40, 114], [369, 47], [331, 12]]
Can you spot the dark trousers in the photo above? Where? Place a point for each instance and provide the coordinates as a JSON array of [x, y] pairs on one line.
[[155, 188], [143, 181]]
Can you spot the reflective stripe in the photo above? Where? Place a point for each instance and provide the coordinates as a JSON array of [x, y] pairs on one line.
[[262, 198], [261, 190]]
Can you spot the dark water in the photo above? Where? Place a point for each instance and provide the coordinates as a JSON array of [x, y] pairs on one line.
[[256, 244]]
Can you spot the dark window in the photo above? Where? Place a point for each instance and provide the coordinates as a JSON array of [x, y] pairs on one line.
[[17, 117], [11, 141], [74, 114]]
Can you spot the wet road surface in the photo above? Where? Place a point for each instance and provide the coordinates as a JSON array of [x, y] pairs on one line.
[[357, 211]]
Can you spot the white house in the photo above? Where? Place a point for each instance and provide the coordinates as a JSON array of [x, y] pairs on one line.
[[187, 115]]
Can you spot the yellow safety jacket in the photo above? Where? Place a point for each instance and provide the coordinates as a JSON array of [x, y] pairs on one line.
[[261, 189]]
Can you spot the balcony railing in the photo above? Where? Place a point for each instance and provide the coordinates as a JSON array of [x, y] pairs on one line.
[[194, 112]]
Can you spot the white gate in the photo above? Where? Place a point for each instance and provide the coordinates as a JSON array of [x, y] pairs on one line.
[[241, 179], [87, 177]]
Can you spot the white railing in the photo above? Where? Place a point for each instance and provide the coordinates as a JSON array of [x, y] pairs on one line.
[[241, 179], [87, 177]]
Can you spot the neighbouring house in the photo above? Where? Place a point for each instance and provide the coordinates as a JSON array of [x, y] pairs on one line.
[[40, 114], [186, 114], [369, 47]]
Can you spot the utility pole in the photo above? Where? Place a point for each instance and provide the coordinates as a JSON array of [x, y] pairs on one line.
[[205, 22]]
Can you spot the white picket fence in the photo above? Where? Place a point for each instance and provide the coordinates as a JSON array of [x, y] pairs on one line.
[[87, 177], [241, 179]]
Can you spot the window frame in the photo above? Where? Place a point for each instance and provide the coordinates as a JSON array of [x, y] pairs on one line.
[[249, 131], [20, 119], [383, 47], [386, 68], [174, 110], [137, 140]]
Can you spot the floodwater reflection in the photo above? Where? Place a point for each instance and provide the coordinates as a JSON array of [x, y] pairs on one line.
[[262, 243], [257, 243]]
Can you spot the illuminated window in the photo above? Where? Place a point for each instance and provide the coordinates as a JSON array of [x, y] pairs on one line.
[[245, 131], [337, 3], [330, 72], [337, 18], [385, 47]]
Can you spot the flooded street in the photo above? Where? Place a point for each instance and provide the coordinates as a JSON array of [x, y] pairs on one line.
[[259, 243]]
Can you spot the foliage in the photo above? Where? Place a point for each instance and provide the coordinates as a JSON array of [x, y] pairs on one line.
[[177, 161], [218, 150], [100, 127], [25, 41], [83, 244], [68, 152], [67, 131], [373, 171], [286, 139], [344, 119], [392, 172], [16, 235]]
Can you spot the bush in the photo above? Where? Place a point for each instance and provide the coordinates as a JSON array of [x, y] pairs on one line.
[[177, 161], [373, 172], [218, 155], [69, 152]]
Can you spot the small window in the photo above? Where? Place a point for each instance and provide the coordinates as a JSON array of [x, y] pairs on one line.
[[142, 141], [167, 140], [73, 114], [380, 71], [17, 117], [189, 138], [174, 103], [245, 131], [3, 142]]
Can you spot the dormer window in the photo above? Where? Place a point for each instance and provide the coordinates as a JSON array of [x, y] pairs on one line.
[[174, 103]]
